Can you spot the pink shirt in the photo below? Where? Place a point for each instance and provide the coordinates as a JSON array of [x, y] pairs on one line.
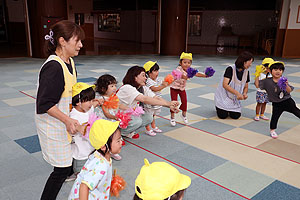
[[180, 83]]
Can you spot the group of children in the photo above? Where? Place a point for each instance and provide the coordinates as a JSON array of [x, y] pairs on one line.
[[92, 154]]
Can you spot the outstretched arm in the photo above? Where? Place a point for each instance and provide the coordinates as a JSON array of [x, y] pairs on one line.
[[83, 192]]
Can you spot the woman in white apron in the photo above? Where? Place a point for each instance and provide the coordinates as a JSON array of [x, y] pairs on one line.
[[54, 97], [233, 87]]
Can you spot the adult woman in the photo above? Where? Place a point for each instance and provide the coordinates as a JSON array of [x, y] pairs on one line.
[[233, 87], [54, 97], [134, 93]]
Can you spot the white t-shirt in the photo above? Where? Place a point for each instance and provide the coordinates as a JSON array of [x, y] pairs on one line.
[[157, 82], [81, 148], [128, 93]]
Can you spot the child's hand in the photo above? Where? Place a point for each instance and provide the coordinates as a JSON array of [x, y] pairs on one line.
[[97, 102], [81, 128], [165, 84]]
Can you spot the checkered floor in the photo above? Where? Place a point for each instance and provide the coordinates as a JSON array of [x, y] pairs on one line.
[[226, 159]]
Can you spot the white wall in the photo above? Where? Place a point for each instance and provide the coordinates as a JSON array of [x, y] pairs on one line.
[[284, 14], [292, 24]]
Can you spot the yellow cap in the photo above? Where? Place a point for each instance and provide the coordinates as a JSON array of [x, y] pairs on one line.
[[267, 61], [148, 65], [274, 62], [186, 56], [100, 132], [159, 180], [78, 87]]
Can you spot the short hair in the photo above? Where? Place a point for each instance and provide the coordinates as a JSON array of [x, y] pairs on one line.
[[132, 72], [65, 29], [242, 58], [155, 67], [85, 95], [277, 66], [103, 82]]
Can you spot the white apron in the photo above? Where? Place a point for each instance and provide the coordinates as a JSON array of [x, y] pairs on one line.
[[54, 139], [226, 100]]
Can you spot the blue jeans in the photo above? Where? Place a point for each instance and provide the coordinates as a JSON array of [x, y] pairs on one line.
[[137, 122]]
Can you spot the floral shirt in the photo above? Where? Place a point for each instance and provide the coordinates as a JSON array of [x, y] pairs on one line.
[[97, 175]]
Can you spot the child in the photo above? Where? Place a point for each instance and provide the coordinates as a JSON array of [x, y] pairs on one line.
[[178, 86], [281, 99], [158, 181], [106, 86], [262, 72], [156, 85], [84, 102], [93, 181]]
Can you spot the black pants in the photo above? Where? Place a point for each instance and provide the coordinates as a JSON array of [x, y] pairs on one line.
[[278, 108], [223, 114], [55, 181]]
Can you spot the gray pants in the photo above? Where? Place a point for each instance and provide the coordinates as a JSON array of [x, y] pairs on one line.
[[77, 165], [137, 122]]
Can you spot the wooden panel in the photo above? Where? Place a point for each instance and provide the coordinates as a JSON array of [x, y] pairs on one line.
[[88, 30], [279, 42], [173, 26], [17, 34], [291, 48]]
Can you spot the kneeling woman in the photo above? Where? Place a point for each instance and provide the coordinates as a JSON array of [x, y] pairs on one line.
[[233, 87], [135, 93]]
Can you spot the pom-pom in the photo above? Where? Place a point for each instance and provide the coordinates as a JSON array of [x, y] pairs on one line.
[[92, 118], [137, 111], [112, 102], [169, 79], [259, 69], [124, 119], [176, 74], [209, 71], [282, 83], [191, 72], [117, 184]]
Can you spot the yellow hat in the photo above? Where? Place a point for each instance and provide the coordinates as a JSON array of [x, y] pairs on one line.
[[186, 56], [159, 180], [274, 62], [100, 132], [267, 61], [78, 87], [148, 65]]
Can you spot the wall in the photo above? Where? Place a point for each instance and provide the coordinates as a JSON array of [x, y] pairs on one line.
[[243, 23], [291, 47]]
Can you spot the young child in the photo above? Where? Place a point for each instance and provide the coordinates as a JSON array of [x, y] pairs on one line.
[[281, 99], [83, 102], [93, 181], [158, 181], [178, 86], [156, 85], [106, 86], [262, 72]]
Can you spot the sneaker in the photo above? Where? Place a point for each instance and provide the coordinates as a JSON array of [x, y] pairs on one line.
[[151, 133], [157, 130], [172, 122], [133, 135], [116, 156], [185, 119], [264, 118], [256, 118], [71, 178], [273, 134]]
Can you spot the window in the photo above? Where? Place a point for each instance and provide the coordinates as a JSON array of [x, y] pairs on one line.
[[195, 24], [79, 18], [109, 22]]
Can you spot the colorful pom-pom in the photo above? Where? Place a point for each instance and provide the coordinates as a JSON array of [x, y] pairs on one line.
[[92, 118], [176, 74], [112, 102], [117, 185], [124, 119], [169, 79], [137, 111], [259, 69], [209, 71], [282, 83], [191, 72]]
